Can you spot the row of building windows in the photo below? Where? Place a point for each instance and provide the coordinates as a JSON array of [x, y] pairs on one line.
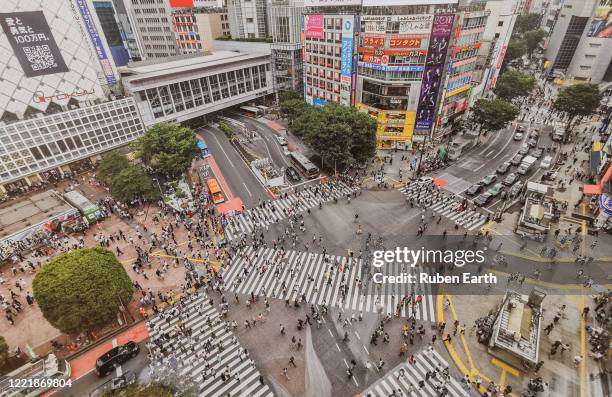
[[177, 97]]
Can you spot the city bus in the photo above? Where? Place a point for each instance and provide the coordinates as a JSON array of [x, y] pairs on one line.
[[215, 191], [251, 111], [305, 166]]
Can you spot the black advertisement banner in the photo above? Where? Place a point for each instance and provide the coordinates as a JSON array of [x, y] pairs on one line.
[[32, 42]]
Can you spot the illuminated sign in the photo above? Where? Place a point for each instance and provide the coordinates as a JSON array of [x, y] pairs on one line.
[[314, 26], [387, 68], [374, 41], [405, 43]]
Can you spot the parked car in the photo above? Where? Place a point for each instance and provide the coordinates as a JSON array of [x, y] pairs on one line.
[[524, 149], [534, 134], [532, 142], [292, 174], [489, 179], [520, 128], [117, 383], [281, 140], [483, 199], [516, 160], [510, 179], [518, 136], [503, 168], [515, 190], [115, 357], [474, 189], [495, 189], [538, 153]]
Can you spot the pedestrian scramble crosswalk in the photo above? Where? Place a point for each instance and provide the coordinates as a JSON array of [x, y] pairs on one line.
[[332, 280], [220, 368], [273, 211], [447, 205], [403, 380]]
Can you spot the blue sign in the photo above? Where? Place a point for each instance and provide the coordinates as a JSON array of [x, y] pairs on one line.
[[346, 57], [386, 68], [90, 26], [318, 102]]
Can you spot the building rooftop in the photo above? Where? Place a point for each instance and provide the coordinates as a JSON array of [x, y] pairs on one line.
[[180, 64]]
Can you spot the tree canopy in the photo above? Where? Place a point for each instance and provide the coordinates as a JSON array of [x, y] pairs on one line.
[[293, 108], [517, 47], [132, 183], [513, 84], [167, 148], [143, 390], [532, 39], [525, 23], [578, 100], [339, 134], [493, 114], [81, 290], [111, 165]]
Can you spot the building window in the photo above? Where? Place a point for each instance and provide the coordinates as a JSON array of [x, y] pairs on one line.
[[500, 23]]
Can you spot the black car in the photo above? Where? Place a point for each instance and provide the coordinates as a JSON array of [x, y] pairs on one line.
[[474, 189], [292, 174], [115, 357]]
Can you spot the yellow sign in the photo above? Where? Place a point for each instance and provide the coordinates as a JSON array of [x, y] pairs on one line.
[[458, 90]]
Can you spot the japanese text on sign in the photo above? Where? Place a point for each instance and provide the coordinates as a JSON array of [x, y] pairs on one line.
[[405, 43], [374, 41]]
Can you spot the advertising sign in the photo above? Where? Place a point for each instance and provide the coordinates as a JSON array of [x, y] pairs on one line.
[[181, 3], [398, 42], [331, 3], [386, 68], [346, 59], [381, 60], [374, 3], [371, 41], [601, 25], [314, 26], [415, 24], [32, 42], [96, 40], [434, 69]]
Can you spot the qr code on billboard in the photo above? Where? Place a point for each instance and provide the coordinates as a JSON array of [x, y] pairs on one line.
[[40, 57]]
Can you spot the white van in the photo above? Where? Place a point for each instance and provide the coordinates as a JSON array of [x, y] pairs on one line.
[[546, 162]]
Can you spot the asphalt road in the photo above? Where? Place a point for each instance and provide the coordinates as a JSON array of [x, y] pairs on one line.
[[237, 174], [275, 150], [87, 384]]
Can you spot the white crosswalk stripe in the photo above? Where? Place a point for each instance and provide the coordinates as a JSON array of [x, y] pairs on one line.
[[403, 380], [188, 355], [276, 210], [447, 205], [332, 280]]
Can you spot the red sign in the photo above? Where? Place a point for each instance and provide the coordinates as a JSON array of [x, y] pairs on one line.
[[380, 60], [411, 53], [374, 41], [366, 50], [181, 3], [405, 43]]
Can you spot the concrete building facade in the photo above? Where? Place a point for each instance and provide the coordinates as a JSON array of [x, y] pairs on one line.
[[580, 47], [196, 28], [248, 19], [152, 24], [285, 29]]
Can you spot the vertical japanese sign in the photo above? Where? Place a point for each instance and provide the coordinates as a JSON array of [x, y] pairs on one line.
[[346, 60], [314, 26], [32, 42], [90, 26], [434, 69]]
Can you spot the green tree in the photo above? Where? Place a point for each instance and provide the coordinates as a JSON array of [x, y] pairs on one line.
[[517, 47], [309, 122], [133, 183], [111, 165], [290, 94], [4, 351], [578, 101], [533, 39], [81, 290], [142, 390], [167, 148], [363, 129], [513, 84], [291, 109], [525, 23], [493, 115]]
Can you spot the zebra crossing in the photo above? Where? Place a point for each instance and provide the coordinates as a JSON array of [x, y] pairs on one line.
[[403, 380], [332, 280], [448, 206], [273, 211], [220, 368]]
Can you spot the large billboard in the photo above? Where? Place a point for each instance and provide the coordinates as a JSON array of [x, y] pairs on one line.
[[313, 26], [30, 37], [601, 25], [417, 24], [96, 40], [434, 70], [373, 3], [346, 59]]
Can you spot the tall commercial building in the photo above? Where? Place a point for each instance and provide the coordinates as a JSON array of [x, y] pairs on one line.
[[285, 28], [153, 27], [54, 109], [196, 28], [494, 43], [248, 19], [127, 30], [112, 31], [580, 47]]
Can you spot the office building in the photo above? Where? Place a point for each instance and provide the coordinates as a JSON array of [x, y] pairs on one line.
[[112, 31], [494, 43], [152, 25], [285, 29], [180, 88], [248, 19], [580, 47], [197, 28]]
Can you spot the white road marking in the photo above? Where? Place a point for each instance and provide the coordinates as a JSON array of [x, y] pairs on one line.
[[247, 189], [223, 150]]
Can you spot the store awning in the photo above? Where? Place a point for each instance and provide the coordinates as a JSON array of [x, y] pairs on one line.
[[592, 189]]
